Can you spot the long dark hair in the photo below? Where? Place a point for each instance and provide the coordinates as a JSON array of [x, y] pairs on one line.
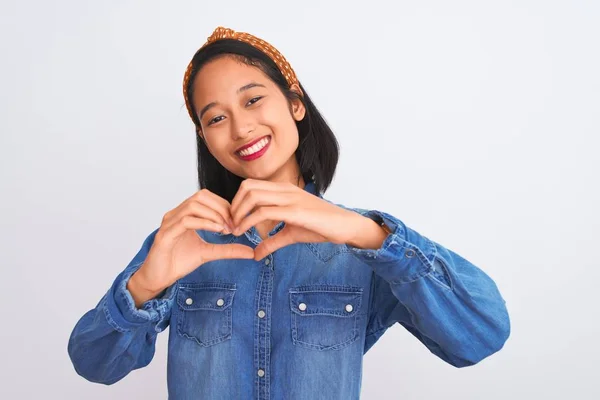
[[318, 149]]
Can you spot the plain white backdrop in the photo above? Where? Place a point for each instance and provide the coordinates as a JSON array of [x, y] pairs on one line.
[[476, 123]]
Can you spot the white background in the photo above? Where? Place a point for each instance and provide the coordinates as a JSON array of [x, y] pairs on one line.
[[476, 123]]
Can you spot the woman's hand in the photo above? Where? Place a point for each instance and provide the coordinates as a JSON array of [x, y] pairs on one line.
[[308, 218], [178, 250]]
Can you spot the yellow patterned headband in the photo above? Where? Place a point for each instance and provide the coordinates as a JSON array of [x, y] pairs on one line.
[[226, 33]]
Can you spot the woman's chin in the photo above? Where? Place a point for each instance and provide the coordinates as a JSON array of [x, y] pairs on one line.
[[259, 175]]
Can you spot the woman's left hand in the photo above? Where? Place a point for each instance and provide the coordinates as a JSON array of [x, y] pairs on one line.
[[308, 218]]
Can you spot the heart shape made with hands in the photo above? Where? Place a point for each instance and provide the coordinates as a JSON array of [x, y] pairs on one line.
[[307, 218]]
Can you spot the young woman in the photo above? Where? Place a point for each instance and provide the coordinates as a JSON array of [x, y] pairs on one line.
[[270, 290]]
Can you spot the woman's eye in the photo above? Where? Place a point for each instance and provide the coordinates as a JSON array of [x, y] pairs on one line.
[[220, 117], [215, 120], [254, 100]]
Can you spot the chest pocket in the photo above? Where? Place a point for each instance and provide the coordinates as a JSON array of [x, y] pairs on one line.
[[325, 317], [205, 312]]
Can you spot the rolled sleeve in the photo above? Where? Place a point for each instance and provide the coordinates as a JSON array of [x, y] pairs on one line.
[[120, 309], [403, 257]]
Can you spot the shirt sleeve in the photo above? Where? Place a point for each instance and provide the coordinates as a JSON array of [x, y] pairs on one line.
[[115, 337], [452, 306]]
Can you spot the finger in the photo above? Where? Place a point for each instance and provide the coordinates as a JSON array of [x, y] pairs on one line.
[[271, 244], [256, 198], [263, 213], [198, 210], [217, 203], [204, 197], [227, 251], [254, 184], [190, 222]]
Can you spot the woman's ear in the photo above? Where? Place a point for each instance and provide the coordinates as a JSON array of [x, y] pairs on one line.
[[297, 107]]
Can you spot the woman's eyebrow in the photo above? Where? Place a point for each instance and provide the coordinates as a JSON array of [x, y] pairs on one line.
[[240, 90]]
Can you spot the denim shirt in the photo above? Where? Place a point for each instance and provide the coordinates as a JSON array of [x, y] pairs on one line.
[[296, 324]]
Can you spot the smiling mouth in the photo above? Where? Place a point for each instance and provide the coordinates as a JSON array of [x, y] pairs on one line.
[[256, 150]]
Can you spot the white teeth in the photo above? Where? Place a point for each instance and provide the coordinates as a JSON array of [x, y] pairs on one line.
[[256, 147]]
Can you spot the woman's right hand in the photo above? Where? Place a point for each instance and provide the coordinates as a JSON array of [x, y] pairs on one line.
[[178, 250]]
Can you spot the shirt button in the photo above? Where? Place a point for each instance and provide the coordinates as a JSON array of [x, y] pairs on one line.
[[261, 373], [220, 302], [189, 301], [410, 253], [261, 314], [349, 307], [267, 261], [302, 306]]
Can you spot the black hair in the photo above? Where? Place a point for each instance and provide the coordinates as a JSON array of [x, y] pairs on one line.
[[318, 150]]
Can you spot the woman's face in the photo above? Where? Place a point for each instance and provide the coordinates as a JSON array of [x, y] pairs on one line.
[[247, 123]]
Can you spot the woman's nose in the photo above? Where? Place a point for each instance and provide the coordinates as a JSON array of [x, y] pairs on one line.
[[242, 127]]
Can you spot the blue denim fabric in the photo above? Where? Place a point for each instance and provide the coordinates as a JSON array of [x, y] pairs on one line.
[[296, 324]]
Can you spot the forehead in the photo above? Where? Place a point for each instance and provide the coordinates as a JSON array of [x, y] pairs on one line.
[[225, 76]]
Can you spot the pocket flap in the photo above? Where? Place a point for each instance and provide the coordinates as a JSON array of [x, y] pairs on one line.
[[205, 296], [340, 301]]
